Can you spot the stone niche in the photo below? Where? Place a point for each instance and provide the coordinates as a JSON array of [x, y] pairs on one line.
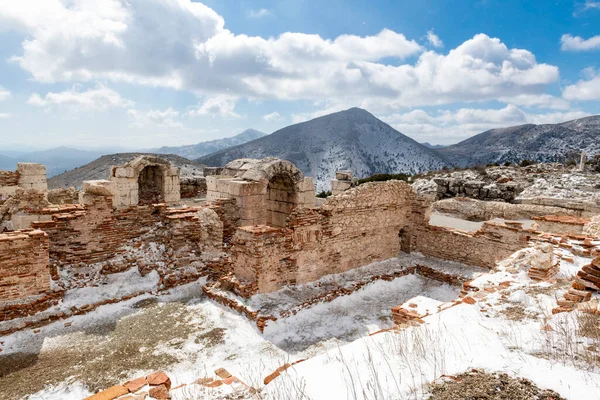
[[266, 191], [145, 180]]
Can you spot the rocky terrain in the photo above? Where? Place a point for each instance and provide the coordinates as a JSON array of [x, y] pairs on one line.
[[542, 143], [349, 140], [513, 183], [201, 149], [100, 169]]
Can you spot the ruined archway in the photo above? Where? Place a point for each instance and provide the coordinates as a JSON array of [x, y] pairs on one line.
[[281, 199], [151, 185]]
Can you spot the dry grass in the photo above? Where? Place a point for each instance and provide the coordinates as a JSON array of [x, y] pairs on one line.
[[477, 385], [103, 355]]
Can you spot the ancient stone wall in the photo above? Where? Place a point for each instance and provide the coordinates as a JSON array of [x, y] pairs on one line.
[[193, 187], [560, 224], [23, 264], [266, 191], [145, 180], [492, 243], [27, 176], [146, 237], [362, 226], [63, 196]]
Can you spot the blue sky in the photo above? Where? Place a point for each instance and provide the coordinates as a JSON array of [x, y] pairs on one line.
[[146, 73]]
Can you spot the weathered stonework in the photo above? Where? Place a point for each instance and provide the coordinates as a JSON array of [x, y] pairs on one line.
[[145, 180], [266, 191], [366, 224], [27, 176], [23, 264]]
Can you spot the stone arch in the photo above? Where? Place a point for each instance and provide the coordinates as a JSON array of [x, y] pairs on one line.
[[151, 185], [146, 180], [280, 200]]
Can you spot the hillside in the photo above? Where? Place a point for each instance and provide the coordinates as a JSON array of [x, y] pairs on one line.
[[60, 159], [352, 139], [100, 169], [543, 143], [7, 163], [201, 149]]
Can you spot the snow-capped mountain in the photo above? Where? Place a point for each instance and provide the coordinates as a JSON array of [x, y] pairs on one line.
[[203, 148], [353, 139], [543, 143]]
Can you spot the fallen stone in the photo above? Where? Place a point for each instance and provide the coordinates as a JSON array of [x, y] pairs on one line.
[[110, 393], [159, 392], [222, 373], [159, 378], [135, 384]]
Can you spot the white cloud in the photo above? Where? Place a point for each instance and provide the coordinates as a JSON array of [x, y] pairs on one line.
[[537, 100], [434, 39], [263, 12], [222, 105], [161, 118], [132, 41], [4, 93], [4, 115], [585, 89], [592, 5], [100, 98], [274, 116], [449, 127], [577, 43]]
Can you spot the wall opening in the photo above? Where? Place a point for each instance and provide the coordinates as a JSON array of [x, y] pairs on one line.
[[281, 200], [405, 236], [151, 185]]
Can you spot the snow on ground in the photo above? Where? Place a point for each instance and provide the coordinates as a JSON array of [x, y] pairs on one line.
[[509, 328]]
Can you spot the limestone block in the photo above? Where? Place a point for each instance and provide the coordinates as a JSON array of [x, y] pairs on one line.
[[31, 169], [173, 171], [306, 185], [99, 188], [124, 172], [245, 188], [343, 175]]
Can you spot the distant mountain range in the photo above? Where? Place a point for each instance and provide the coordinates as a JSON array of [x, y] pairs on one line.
[[201, 149], [352, 139], [100, 169], [542, 143], [433, 146]]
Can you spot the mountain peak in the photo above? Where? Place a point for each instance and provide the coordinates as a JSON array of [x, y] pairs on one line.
[[352, 139]]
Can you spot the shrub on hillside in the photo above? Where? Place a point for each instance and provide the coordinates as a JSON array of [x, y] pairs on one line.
[[383, 178]]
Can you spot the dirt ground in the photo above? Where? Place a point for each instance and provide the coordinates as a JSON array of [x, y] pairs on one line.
[[477, 385], [107, 353]]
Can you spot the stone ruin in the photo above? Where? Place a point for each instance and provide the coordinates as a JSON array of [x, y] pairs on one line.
[[259, 229]]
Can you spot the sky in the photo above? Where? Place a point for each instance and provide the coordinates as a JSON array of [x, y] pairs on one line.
[[138, 74]]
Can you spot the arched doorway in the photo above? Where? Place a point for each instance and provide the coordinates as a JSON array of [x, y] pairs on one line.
[[151, 187], [282, 198]]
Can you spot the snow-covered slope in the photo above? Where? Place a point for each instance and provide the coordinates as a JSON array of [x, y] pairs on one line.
[[204, 148], [543, 143], [352, 139]]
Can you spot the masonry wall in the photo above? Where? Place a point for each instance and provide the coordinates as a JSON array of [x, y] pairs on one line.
[[23, 264], [351, 230], [492, 243], [171, 241]]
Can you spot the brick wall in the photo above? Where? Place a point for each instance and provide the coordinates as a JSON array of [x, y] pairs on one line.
[[492, 243], [23, 264], [348, 231], [148, 237]]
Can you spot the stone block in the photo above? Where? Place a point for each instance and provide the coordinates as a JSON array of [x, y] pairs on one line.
[[99, 188], [245, 188], [343, 175], [124, 172]]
